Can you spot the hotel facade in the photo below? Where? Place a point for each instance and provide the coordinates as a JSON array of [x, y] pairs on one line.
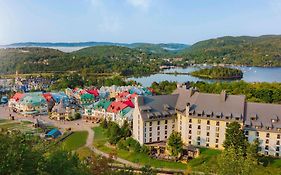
[[202, 119]]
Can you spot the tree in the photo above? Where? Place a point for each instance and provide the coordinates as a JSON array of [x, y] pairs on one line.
[[114, 133], [62, 162], [234, 137], [125, 129], [233, 162], [175, 144], [147, 170], [104, 123]]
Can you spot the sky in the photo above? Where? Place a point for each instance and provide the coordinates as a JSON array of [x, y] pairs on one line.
[[154, 21]]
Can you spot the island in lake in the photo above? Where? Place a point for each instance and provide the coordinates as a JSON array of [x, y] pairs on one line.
[[218, 73]]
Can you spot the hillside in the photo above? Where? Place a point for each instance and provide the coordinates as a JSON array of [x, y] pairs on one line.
[[99, 59], [244, 50], [26, 59], [162, 48], [218, 73]]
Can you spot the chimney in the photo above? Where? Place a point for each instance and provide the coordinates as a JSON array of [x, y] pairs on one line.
[[223, 95], [192, 91], [187, 108]]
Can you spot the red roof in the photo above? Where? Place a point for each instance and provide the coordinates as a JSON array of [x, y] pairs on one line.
[[132, 96], [83, 92], [129, 103], [94, 92], [151, 90], [116, 106], [18, 96], [48, 96], [123, 94]]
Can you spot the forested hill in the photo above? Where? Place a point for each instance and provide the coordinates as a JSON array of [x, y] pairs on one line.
[[244, 50], [161, 48], [99, 59]]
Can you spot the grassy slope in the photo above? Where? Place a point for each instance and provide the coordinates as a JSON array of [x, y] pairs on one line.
[[101, 138], [75, 140]]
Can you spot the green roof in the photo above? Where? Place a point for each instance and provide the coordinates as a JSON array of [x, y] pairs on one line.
[[33, 100], [87, 97], [102, 104], [125, 111]]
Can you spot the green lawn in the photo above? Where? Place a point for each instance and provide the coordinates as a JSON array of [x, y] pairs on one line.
[[207, 156], [75, 140], [84, 152]]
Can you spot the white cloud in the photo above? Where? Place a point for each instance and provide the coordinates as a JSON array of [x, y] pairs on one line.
[[142, 4]]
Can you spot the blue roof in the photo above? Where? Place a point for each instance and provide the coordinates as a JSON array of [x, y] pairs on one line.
[[54, 133]]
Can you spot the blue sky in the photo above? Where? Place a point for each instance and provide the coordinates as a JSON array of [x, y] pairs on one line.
[[183, 21]]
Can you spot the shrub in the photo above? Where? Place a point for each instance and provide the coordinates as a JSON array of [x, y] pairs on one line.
[[122, 145]]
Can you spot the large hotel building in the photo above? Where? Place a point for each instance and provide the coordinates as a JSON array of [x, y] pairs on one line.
[[202, 119]]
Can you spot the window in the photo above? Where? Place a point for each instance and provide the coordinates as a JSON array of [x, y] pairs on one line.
[[217, 146], [217, 129], [266, 147], [207, 144], [217, 135], [158, 127], [217, 140], [277, 148], [199, 127], [267, 135], [165, 137], [144, 129], [246, 132], [158, 138], [266, 141], [199, 121], [257, 134], [150, 123], [278, 142], [158, 122], [198, 143], [227, 124], [150, 129], [189, 137], [173, 120], [189, 132], [158, 133], [166, 126], [145, 124], [208, 122], [277, 154], [190, 126], [150, 134], [190, 120], [198, 132], [150, 139], [208, 127], [218, 124], [166, 132], [208, 134], [266, 152], [207, 139], [278, 136], [198, 138], [166, 121], [173, 126]]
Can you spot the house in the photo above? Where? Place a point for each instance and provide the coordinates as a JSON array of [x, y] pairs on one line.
[[54, 133], [33, 104]]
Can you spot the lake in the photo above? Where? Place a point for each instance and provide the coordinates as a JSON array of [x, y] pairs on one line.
[[251, 74]]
